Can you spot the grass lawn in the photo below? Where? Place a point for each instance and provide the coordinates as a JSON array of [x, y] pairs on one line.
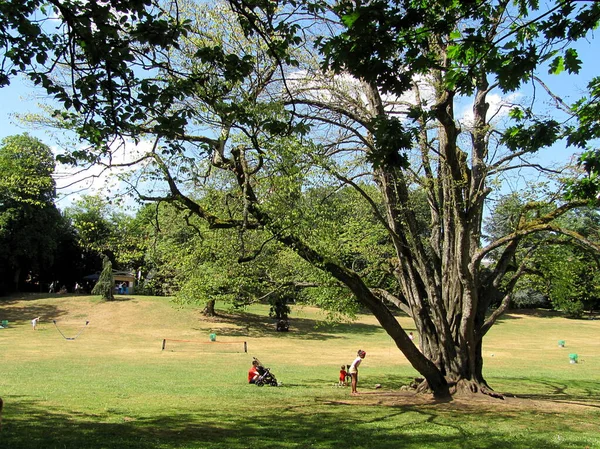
[[113, 387]]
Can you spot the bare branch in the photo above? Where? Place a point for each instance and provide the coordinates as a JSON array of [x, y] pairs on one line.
[[384, 294]]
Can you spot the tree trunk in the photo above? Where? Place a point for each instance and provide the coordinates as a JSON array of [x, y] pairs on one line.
[[16, 278], [209, 308]]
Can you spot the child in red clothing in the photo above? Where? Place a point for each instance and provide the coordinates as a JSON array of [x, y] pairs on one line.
[[253, 372], [343, 374]]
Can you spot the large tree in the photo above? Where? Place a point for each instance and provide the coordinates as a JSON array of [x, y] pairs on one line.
[[308, 97], [31, 227], [197, 264]]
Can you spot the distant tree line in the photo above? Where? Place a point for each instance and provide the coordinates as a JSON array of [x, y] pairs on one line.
[[175, 253], [170, 252]]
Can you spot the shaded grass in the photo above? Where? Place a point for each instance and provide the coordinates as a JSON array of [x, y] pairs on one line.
[[114, 388], [320, 424]]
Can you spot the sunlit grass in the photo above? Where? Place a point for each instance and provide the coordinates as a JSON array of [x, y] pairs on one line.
[[114, 388]]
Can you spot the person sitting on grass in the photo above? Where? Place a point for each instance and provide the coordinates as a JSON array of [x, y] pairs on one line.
[[253, 372], [354, 371]]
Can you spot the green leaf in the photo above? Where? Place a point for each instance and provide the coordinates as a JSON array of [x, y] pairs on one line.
[[557, 66], [455, 35], [572, 61], [454, 51], [517, 114], [349, 19]]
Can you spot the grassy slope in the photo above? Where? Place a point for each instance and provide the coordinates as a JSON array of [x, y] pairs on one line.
[[114, 388]]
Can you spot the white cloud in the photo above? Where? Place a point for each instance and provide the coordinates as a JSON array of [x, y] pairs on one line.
[[100, 179], [348, 92], [499, 108]]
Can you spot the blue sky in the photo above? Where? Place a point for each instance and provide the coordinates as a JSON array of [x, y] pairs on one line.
[[14, 101]]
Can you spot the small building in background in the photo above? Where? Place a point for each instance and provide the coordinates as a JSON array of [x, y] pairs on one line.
[[124, 281]]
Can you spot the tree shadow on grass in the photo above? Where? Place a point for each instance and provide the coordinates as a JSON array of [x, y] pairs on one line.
[[21, 309], [255, 325], [25, 311], [334, 424], [578, 393], [575, 392], [122, 298], [518, 314]]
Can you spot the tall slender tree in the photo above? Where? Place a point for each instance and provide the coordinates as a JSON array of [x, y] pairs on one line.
[[106, 284]]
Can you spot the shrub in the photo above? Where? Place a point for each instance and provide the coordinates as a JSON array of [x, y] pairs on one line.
[[529, 299]]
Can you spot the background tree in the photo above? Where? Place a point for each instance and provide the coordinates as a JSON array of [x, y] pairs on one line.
[[94, 228], [30, 224], [555, 266], [199, 265], [69, 261], [106, 283], [102, 228]]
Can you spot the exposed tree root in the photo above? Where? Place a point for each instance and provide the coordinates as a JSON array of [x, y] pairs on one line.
[[460, 387], [492, 393], [466, 386]]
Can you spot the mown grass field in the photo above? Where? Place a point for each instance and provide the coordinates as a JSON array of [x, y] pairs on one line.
[[113, 387]]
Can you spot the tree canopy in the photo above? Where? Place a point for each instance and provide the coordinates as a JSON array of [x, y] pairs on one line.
[[31, 228], [292, 102], [562, 272]]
